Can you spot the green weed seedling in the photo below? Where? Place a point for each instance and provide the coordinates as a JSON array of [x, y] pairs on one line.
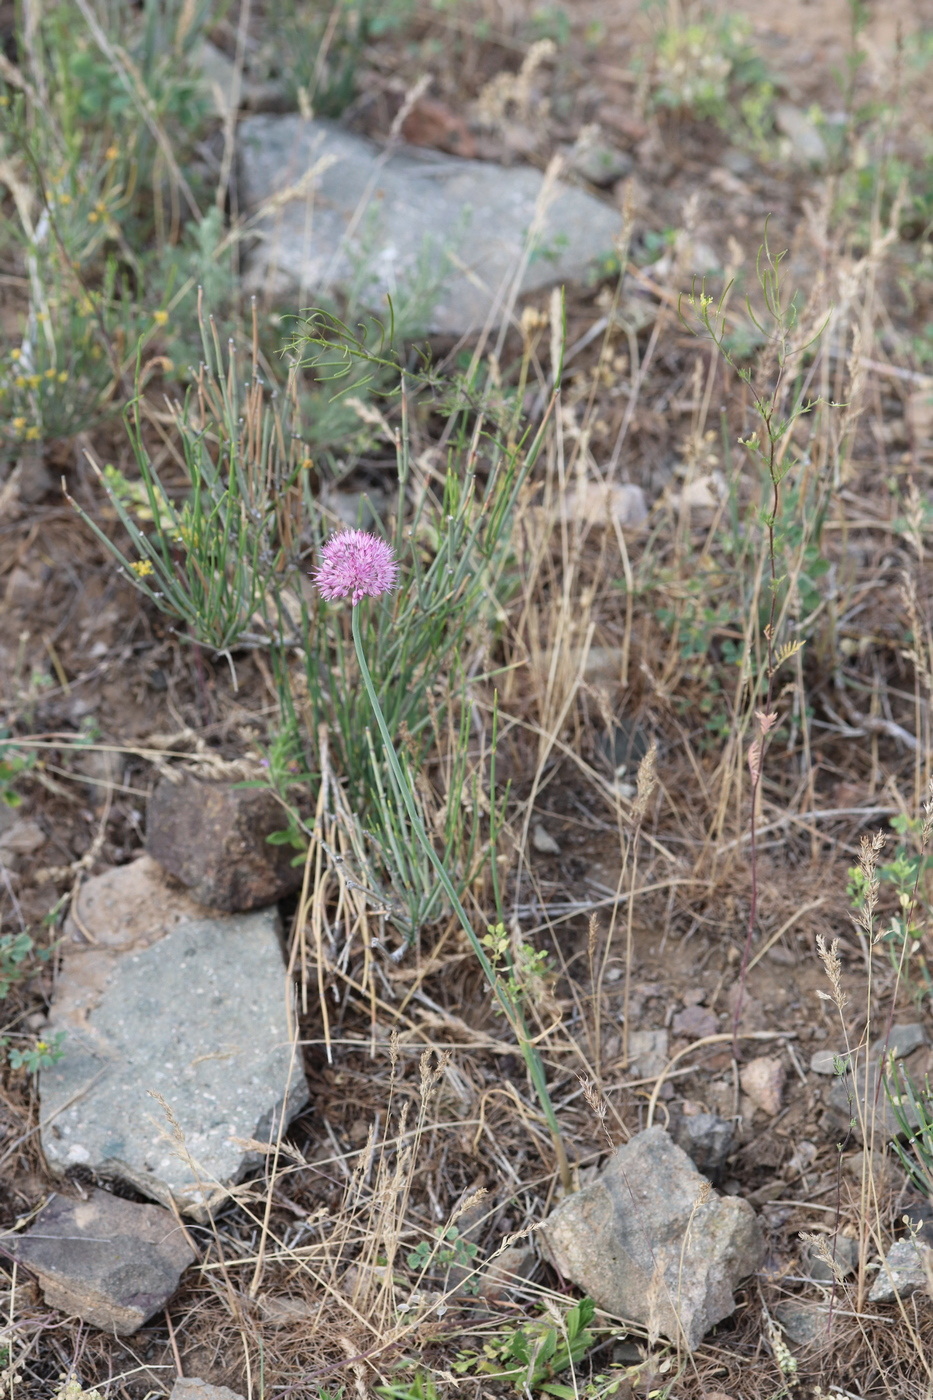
[[15, 949], [43, 1055], [13, 764], [913, 1109], [531, 1356], [450, 1250], [905, 871], [705, 67], [18, 953], [420, 1387]]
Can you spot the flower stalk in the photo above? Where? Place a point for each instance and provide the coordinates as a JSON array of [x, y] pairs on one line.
[[509, 1005]]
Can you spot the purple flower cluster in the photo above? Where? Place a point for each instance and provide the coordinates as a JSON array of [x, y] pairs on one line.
[[357, 565]]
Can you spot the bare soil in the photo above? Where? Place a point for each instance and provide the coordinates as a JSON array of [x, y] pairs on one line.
[[81, 655]]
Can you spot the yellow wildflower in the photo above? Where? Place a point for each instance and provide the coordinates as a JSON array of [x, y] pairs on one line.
[[112, 152], [15, 354], [51, 374], [33, 434], [20, 381], [18, 424], [142, 568], [160, 317], [62, 376]]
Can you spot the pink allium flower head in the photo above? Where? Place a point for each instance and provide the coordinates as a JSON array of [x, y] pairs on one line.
[[357, 564]]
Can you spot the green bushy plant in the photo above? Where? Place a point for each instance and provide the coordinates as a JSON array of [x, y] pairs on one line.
[[704, 66]]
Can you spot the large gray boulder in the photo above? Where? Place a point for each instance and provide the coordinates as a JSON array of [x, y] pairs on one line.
[[158, 996], [651, 1242], [383, 222]]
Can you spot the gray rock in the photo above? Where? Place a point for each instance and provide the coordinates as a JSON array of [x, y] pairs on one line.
[[191, 1388], [212, 837], [34, 478], [506, 1272], [901, 1041], [650, 1241], [175, 1000], [807, 146], [111, 1262], [219, 82], [648, 1052], [695, 1022], [386, 222], [844, 1251], [906, 1268], [597, 161], [707, 1141], [803, 1322]]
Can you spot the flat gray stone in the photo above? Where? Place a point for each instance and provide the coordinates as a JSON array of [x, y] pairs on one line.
[[385, 222], [648, 1050], [111, 1262], [803, 1322], [843, 1250], [191, 1388], [900, 1041], [651, 1243], [179, 1001], [598, 161], [806, 144], [906, 1268], [824, 1061]]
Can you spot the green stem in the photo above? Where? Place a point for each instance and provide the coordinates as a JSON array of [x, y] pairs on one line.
[[512, 1011]]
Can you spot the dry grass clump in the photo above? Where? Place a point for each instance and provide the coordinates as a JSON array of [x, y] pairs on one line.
[[623, 668]]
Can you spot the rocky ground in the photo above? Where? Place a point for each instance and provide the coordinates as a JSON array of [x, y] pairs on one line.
[[279, 1159]]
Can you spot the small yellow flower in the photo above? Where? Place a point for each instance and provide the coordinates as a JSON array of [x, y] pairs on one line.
[[18, 424], [160, 318], [20, 381], [62, 376], [64, 198], [112, 152], [15, 354], [33, 434], [51, 374], [34, 380], [142, 568], [93, 217]]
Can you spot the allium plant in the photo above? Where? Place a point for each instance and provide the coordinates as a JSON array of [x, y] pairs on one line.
[[356, 565]]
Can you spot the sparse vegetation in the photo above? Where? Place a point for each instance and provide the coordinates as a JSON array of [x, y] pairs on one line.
[[589, 769]]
